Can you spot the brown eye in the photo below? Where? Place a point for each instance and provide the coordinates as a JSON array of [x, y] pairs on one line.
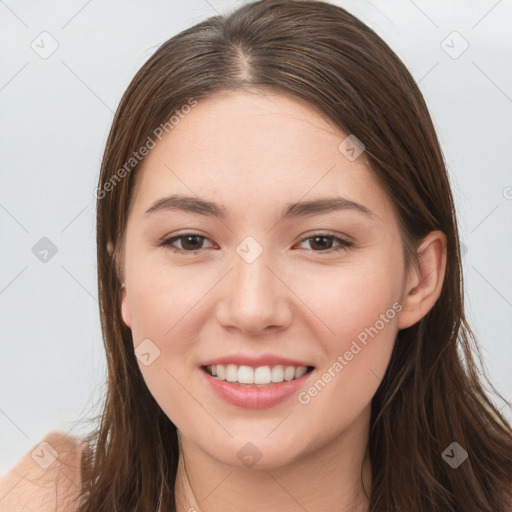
[[324, 243], [193, 242], [190, 242]]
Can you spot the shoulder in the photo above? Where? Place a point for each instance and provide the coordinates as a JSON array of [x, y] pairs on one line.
[[47, 478]]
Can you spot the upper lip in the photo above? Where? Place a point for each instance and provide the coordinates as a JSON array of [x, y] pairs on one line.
[[255, 362]]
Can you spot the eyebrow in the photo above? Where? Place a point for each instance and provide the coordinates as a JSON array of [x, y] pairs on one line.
[[291, 210]]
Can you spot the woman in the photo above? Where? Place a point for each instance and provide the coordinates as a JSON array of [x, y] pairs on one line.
[[280, 285]]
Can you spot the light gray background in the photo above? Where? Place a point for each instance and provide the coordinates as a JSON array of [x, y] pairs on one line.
[[55, 114]]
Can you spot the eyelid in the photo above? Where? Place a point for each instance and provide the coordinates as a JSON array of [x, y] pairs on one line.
[[343, 242], [167, 241], [326, 233]]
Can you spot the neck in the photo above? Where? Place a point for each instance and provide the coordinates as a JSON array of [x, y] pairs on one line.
[[332, 477]]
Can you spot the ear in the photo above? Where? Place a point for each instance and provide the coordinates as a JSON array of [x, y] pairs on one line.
[[125, 308], [423, 286]]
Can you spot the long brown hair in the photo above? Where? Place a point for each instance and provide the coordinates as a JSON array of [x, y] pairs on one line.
[[432, 393]]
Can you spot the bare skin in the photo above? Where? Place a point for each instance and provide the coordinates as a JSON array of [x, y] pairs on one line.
[[41, 483], [253, 153]]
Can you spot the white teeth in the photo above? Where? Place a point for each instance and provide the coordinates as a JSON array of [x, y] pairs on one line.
[[260, 376], [278, 373], [231, 373], [300, 371], [246, 375], [289, 373]]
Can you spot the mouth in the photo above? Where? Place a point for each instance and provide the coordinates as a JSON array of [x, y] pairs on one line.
[[261, 376]]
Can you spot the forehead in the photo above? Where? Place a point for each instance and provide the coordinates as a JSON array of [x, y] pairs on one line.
[[257, 149]]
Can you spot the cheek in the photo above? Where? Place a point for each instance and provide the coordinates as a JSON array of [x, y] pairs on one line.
[[159, 314], [359, 310], [348, 300], [165, 305], [164, 301], [168, 387]]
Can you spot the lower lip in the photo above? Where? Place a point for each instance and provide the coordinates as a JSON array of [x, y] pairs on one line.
[[253, 397]]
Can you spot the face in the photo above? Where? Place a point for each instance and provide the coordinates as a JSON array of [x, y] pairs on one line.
[[256, 282]]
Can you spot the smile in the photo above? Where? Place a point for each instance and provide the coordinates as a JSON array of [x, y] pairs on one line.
[[259, 376]]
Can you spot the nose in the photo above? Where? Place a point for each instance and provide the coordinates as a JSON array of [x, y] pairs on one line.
[[254, 297]]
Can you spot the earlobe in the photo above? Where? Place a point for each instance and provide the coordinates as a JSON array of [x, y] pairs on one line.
[[424, 285], [125, 308]]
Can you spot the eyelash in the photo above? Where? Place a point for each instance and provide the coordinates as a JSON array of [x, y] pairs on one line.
[[343, 244]]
